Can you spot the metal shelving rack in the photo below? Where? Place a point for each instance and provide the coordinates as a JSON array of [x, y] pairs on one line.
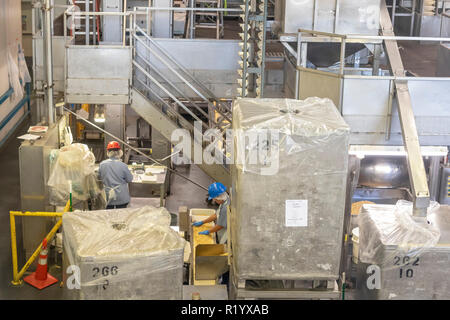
[[253, 48]]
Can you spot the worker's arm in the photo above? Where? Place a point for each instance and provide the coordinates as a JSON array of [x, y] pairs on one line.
[[220, 224], [215, 228], [212, 230], [128, 174], [212, 217]]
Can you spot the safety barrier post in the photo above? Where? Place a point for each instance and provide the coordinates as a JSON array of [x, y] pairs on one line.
[[17, 276]]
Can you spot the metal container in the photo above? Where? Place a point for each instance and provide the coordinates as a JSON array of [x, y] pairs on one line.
[[341, 16], [378, 122], [384, 172], [405, 275], [90, 78], [288, 224], [122, 254]]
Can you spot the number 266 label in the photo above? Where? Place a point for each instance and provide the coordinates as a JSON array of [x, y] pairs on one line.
[[105, 272]]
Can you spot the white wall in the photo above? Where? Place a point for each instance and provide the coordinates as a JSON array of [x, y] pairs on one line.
[[10, 37]]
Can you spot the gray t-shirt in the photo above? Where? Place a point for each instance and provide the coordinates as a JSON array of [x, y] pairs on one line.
[[222, 221], [116, 175]]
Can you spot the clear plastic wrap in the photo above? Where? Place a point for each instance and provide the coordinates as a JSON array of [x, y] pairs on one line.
[[23, 69], [302, 125], [388, 231], [401, 256], [124, 253], [74, 170], [307, 165], [14, 78]]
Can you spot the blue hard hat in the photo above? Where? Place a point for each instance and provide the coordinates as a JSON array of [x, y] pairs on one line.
[[215, 190]]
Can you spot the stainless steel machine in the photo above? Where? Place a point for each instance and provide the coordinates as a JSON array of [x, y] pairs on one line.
[[381, 173], [34, 163]]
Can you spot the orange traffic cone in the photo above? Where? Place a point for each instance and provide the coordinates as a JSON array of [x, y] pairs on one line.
[[40, 278]]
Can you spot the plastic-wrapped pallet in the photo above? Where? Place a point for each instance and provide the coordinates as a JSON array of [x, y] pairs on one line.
[[402, 256], [288, 207], [74, 171], [122, 254]]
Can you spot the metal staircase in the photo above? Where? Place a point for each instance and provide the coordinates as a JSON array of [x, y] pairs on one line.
[[149, 87]]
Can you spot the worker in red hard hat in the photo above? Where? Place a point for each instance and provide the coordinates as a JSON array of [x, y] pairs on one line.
[[115, 176]]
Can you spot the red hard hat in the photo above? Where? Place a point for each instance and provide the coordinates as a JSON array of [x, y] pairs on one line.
[[113, 145]]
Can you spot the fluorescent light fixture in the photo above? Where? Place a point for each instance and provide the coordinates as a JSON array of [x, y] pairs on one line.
[[99, 116], [365, 150]]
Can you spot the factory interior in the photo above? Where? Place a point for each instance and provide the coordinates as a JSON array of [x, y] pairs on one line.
[[224, 150]]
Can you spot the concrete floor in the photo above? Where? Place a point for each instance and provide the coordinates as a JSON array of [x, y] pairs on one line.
[[185, 193], [182, 193]]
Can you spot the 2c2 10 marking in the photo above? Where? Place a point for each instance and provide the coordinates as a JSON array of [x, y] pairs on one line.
[[405, 261], [409, 273]]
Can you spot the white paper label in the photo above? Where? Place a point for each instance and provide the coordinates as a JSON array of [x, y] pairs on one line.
[[296, 213]]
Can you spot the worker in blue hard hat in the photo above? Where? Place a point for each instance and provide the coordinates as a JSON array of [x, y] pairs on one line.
[[217, 192]]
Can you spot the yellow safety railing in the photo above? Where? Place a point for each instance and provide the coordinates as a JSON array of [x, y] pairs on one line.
[[17, 276]]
